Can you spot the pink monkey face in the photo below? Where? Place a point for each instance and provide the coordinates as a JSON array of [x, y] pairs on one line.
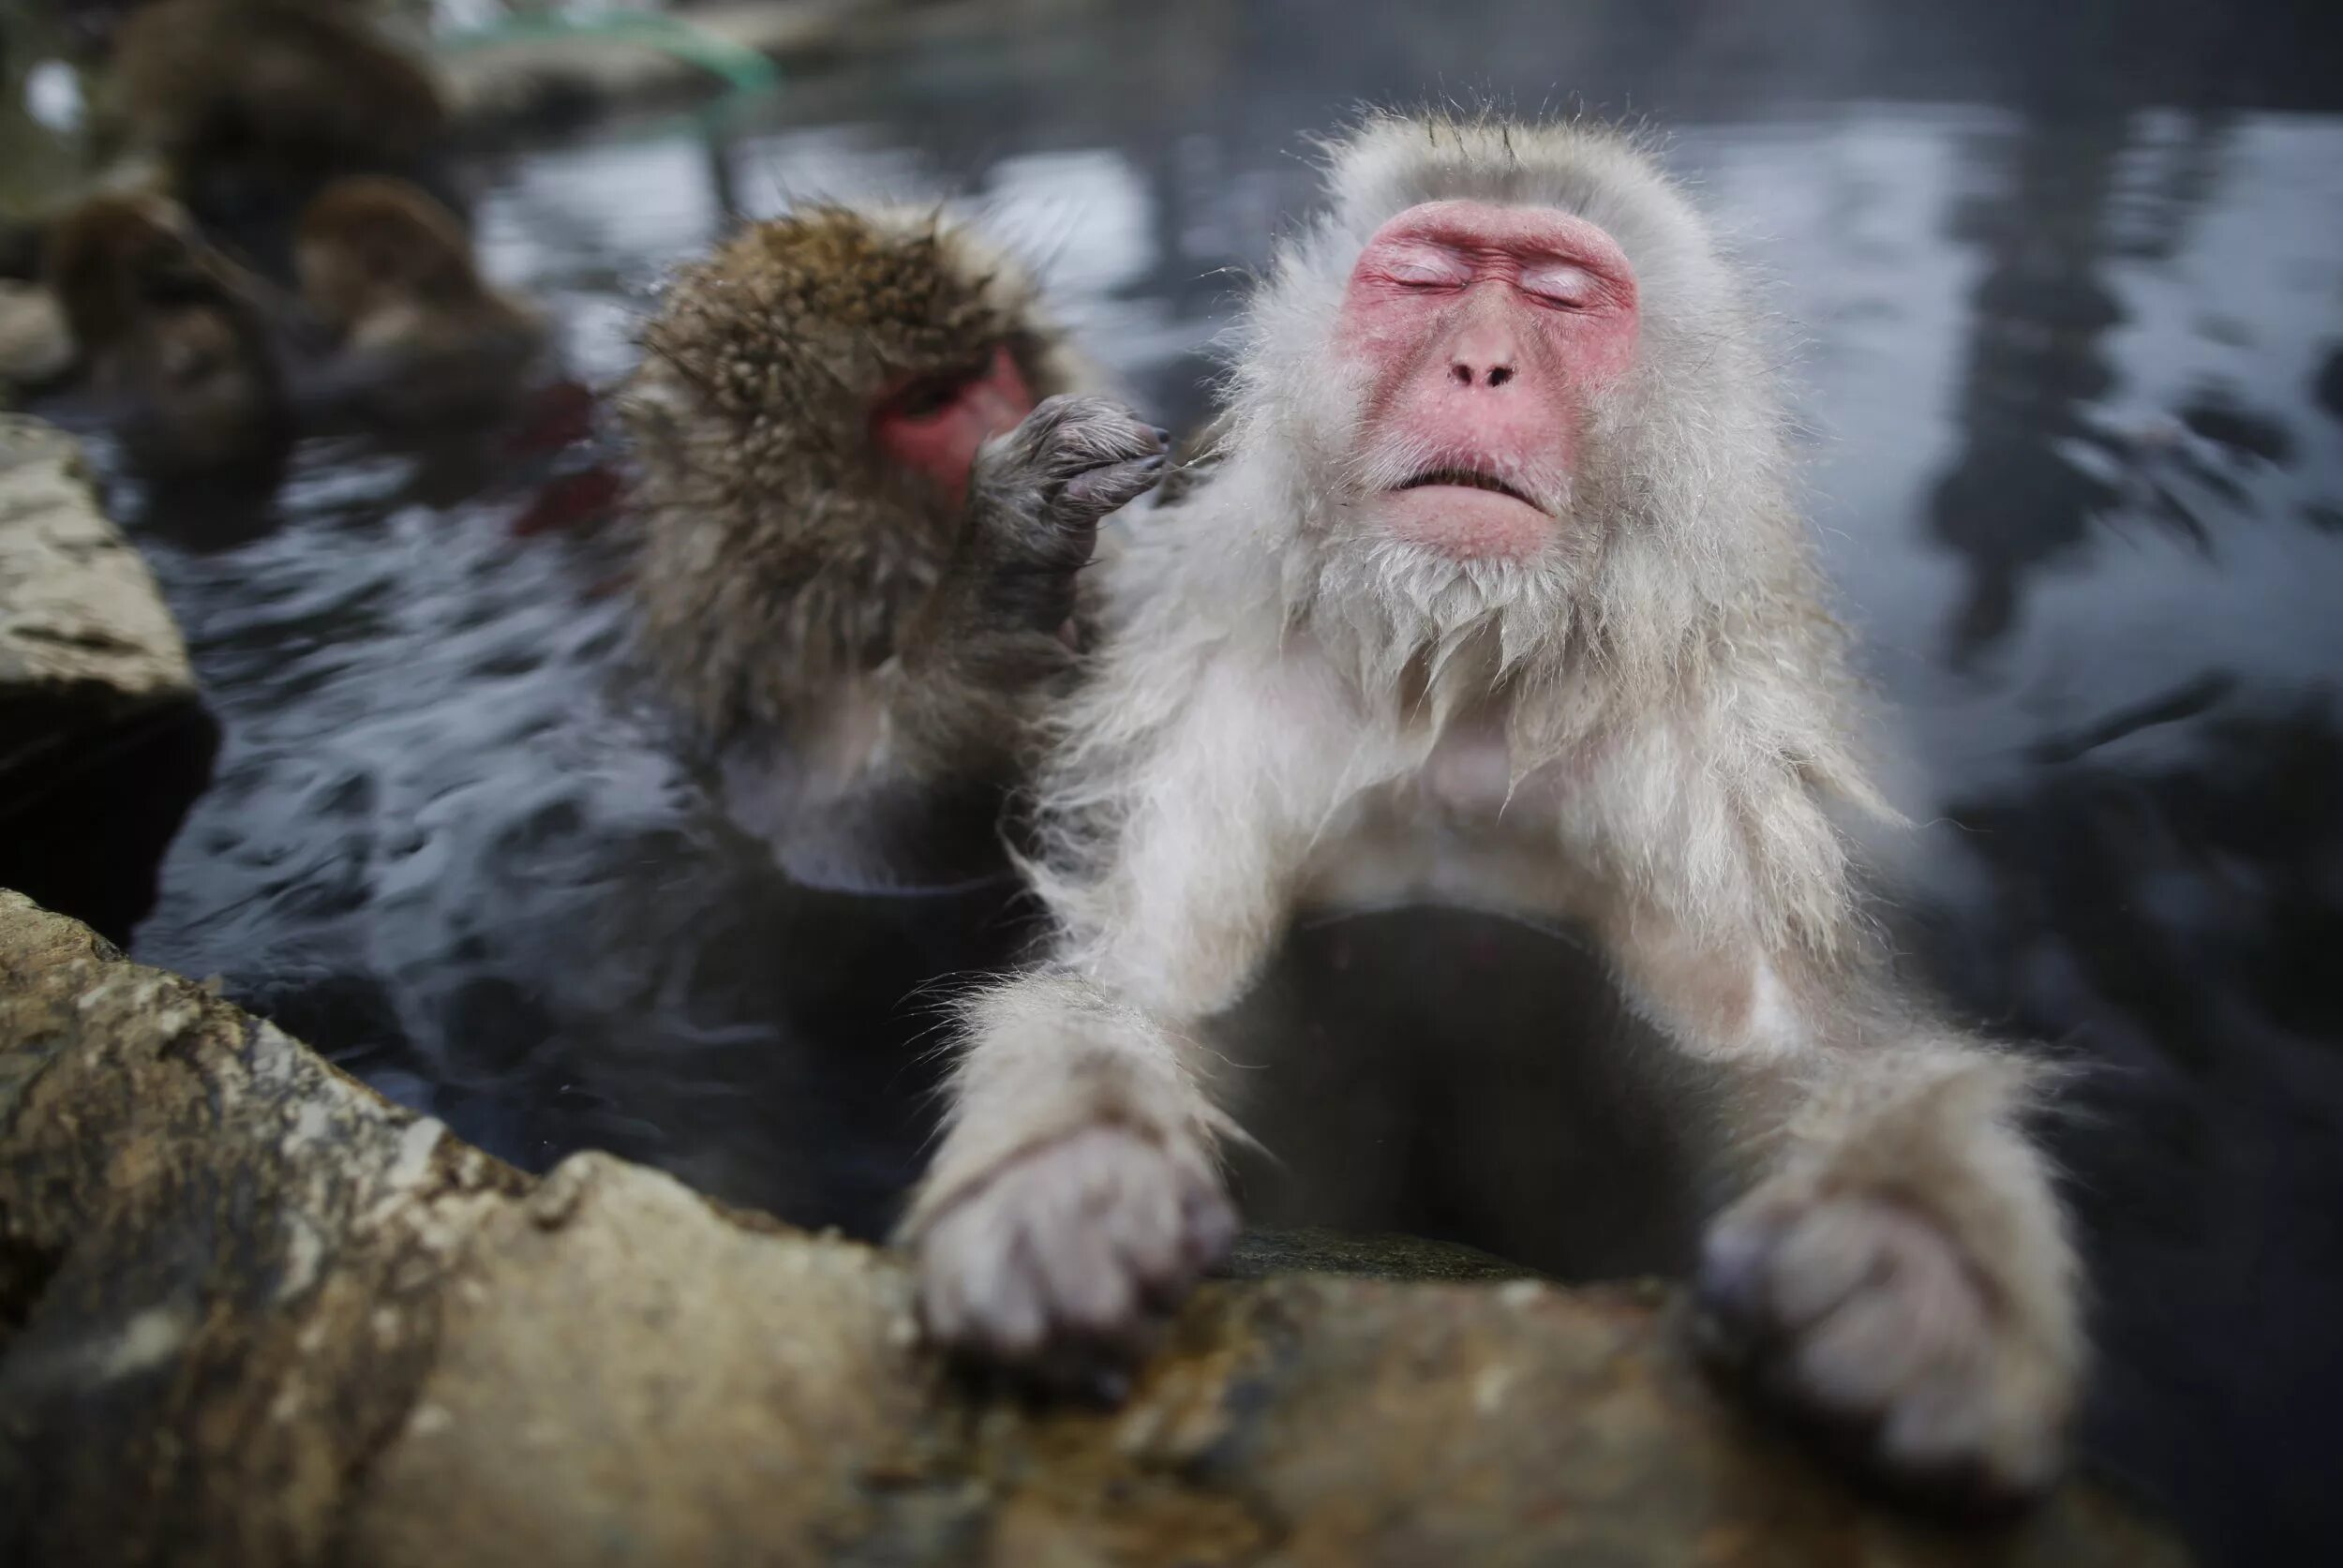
[[934, 426], [1484, 332]]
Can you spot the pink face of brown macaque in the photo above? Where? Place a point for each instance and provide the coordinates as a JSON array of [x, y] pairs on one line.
[[1483, 332], [935, 425]]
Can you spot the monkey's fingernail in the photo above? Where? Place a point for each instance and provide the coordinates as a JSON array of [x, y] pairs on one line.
[[1163, 435], [1153, 462]]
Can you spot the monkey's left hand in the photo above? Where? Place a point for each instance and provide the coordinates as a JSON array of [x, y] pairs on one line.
[[1939, 1361]]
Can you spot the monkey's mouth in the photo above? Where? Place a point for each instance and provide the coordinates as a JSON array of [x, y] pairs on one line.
[[1471, 479]]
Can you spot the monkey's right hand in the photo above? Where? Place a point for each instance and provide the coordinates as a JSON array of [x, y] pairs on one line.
[[1060, 1264], [1039, 491]]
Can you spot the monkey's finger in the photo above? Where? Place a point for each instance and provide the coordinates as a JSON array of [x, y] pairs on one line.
[[1079, 416], [1152, 1245], [1013, 1317], [1733, 1290], [1087, 431], [1065, 465], [1207, 1228], [1087, 1288], [1153, 1242], [978, 1291], [1211, 1229], [1103, 490]]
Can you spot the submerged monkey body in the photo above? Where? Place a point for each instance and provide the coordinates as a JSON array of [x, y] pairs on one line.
[[1317, 681]]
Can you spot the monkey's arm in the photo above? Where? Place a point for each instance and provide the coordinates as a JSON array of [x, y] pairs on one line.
[[1897, 1264], [1076, 1188], [993, 641], [896, 776]]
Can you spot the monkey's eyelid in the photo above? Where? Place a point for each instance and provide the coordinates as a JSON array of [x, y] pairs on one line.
[[1421, 266], [1408, 276], [1560, 283], [924, 399]]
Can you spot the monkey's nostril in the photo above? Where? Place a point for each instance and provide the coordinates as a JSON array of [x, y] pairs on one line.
[[1500, 375], [1463, 374]]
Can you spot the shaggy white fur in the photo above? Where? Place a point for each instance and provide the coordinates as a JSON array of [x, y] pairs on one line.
[[1646, 727]]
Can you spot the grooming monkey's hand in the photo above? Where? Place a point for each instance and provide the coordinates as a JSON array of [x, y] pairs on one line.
[[1048, 481], [1062, 1262], [1931, 1362]]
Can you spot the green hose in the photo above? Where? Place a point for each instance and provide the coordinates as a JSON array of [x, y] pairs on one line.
[[740, 67]]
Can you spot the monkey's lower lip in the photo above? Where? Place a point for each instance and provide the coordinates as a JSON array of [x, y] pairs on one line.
[[1468, 478], [1469, 522]]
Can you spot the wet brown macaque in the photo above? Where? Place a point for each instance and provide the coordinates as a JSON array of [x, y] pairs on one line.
[[174, 339], [419, 337], [867, 482]]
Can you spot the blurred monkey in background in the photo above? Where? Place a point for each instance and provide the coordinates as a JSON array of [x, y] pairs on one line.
[[420, 339], [249, 106], [174, 339]]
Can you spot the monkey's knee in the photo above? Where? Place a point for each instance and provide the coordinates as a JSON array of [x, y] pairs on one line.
[[1064, 1260], [1926, 1330]]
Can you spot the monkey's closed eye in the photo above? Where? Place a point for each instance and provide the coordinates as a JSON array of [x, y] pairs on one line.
[[1424, 267], [924, 399], [931, 396], [1422, 280], [1561, 286]]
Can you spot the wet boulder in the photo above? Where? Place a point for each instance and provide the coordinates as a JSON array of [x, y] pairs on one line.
[[104, 742], [253, 1314]]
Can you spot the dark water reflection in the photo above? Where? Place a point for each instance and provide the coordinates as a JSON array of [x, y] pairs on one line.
[[2073, 365]]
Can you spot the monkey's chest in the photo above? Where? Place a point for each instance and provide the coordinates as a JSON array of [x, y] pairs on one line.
[[1457, 828], [1467, 782]]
